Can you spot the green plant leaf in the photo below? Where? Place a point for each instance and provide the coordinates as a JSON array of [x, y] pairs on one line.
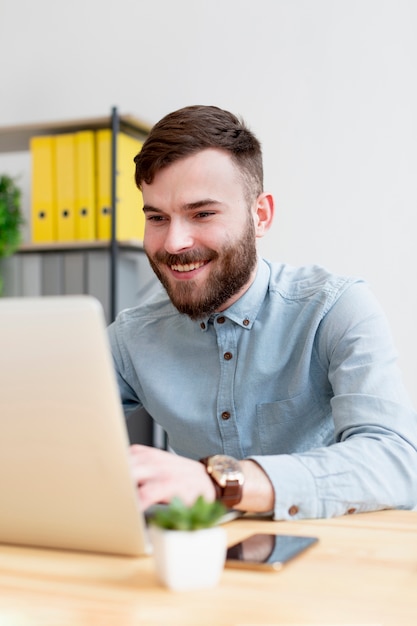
[[178, 516], [11, 218]]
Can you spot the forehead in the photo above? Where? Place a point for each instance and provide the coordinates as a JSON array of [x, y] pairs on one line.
[[210, 172]]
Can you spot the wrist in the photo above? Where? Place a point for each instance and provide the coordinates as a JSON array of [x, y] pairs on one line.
[[258, 492]]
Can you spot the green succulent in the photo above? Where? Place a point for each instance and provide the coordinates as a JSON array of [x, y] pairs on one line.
[[178, 516]]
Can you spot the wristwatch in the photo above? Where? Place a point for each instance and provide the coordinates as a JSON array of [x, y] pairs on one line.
[[227, 477]]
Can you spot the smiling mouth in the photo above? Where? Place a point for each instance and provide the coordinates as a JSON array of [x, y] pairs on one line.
[[187, 267]]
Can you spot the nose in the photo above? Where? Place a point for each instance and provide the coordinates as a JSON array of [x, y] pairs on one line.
[[178, 237]]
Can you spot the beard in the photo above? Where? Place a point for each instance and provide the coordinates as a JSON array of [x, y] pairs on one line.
[[234, 264]]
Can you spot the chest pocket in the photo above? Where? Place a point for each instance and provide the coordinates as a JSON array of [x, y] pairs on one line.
[[294, 425]]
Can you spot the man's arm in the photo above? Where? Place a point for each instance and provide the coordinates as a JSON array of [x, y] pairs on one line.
[[372, 463]]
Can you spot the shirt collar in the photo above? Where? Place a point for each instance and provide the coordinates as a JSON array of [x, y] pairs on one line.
[[245, 310]]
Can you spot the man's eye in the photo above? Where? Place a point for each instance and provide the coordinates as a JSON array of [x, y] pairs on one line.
[[155, 218], [203, 214]]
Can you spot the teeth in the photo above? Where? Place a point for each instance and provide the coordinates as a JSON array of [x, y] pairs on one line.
[[188, 267]]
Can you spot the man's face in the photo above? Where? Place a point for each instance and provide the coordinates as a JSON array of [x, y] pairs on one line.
[[199, 234]]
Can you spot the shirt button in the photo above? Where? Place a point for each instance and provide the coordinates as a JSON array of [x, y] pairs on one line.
[[293, 510], [202, 326], [246, 322], [227, 356], [225, 415], [352, 510], [221, 319]]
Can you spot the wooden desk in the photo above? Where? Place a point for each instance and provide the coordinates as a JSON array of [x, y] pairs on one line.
[[363, 572]]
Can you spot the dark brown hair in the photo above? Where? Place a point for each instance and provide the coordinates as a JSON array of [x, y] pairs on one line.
[[194, 128]]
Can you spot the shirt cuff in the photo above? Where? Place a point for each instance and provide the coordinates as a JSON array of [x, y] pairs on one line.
[[294, 487]]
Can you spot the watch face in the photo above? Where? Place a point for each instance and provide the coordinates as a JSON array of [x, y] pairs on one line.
[[225, 468]]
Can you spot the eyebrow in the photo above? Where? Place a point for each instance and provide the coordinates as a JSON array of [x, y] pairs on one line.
[[189, 206]]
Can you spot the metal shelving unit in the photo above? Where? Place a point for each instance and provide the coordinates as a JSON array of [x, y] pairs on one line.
[[17, 138]]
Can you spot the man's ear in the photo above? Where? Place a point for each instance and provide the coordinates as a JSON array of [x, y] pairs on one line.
[[264, 213]]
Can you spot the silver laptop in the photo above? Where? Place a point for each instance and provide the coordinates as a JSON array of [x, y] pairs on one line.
[[64, 474]]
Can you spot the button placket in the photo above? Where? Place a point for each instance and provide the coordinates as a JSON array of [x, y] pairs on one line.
[[226, 418]]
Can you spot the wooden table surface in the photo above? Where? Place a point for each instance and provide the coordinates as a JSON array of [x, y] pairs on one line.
[[362, 572]]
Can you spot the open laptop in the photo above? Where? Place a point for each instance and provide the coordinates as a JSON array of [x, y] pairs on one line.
[[64, 475]]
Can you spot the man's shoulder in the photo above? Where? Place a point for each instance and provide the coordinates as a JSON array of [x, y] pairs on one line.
[[157, 306], [293, 282]]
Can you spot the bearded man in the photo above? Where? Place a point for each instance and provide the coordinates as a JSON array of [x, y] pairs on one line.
[[277, 386]]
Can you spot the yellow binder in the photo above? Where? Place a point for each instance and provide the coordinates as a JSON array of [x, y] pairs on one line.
[[103, 153], [130, 221], [43, 204], [85, 176], [130, 216], [65, 186]]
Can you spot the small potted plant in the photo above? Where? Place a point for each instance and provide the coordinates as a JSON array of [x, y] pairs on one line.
[[11, 217], [188, 544]]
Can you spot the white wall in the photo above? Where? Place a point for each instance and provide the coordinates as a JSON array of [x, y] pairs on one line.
[[329, 86]]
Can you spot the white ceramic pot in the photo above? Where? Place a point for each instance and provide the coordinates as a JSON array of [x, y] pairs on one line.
[[189, 559]]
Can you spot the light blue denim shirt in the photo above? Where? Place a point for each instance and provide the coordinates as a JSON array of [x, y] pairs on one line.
[[299, 374]]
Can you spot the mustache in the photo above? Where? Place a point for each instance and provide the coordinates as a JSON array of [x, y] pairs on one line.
[[192, 256]]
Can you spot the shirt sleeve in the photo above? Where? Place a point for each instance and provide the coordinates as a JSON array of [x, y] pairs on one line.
[[372, 463], [124, 372]]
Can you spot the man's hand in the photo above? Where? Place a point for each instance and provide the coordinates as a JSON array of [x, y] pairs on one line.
[[160, 476]]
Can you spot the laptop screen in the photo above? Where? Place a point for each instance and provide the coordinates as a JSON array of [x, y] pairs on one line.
[[64, 474]]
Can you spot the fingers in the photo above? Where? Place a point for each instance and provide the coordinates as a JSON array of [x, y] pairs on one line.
[[161, 475], [145, 469], [144, 462]]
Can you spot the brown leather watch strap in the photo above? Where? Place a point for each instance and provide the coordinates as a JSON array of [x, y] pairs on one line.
[[231, 493]]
